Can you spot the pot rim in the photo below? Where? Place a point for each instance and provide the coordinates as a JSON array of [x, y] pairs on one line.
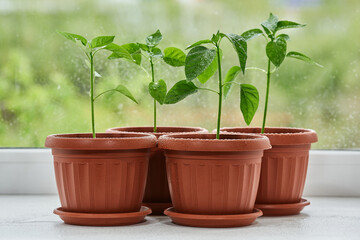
[[104, 141], [162, 130], [279, 135], [229, 142]]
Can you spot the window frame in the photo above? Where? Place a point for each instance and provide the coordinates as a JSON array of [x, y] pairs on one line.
[[30, 171]]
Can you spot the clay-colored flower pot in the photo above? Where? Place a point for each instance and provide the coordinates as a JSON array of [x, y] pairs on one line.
[[157, 195], [210, 176], [106, 174], [284, 167]]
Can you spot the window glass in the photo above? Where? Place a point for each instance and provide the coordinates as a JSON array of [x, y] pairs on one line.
[[44, 81]]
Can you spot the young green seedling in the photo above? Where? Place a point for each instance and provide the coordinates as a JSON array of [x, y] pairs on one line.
[[90, 48], [276, 48], [202, 63], [172, 56]]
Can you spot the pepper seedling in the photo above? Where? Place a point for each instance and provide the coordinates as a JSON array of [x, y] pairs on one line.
[[172, 56], [276, 48], [202, 63], [90, 48]]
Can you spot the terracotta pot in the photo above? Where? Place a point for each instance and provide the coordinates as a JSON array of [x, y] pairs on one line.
[[284, 167], [157, 195], [210, 176], [106, 174]]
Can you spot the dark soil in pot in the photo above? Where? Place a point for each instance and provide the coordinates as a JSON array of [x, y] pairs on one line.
[[157, 195], [284, 167], [211, 176], [106, 174]]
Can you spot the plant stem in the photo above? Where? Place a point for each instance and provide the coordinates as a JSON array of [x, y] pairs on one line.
[[153, 80], [220, 93], [256, 68], [267, 96], [208, 89], [103, 93], [231, 83], [92, 94]]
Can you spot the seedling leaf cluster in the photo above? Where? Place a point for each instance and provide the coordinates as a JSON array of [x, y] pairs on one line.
[[90, 48], [203, 60], [276, 49], [135, 52]]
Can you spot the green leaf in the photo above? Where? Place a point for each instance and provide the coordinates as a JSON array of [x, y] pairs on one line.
[[118, 52], [174, 57], [137, 58], [158, 90], [131, 47], [270, 24], [179, 91], [154, 39], [230, 76], [101, 41], [268, 33], [156, 52], [288, 24], [210, 70], [114, 47], [73, 37], [252, 33], [197, 60], [129, 51], [216, 37], [143, 47], [284, 36], [115, 56], [134, 51], [276, 51], [249, 101], [124, 91], [199, 43], [302, 57], [240, 46]]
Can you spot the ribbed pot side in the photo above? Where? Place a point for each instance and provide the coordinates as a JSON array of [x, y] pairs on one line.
[[157, 187], [208, 176], [107, 177], [284, 167]]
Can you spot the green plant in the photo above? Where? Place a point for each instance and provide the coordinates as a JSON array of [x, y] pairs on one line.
[[202, 63], [276, 48], [90, 48], [134, 51]]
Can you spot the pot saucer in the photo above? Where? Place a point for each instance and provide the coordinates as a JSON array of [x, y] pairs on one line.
[[283, 209], [157, 208], [212, 221], [103, 219]]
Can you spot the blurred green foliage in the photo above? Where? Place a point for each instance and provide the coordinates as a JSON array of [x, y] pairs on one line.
[[44, 81]]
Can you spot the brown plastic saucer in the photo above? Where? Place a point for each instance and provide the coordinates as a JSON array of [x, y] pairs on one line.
[[157, 208], [283, 209], [212, 221], [103, 219]]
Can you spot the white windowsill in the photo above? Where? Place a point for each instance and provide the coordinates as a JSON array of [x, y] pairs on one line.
[[31, 217], [30, 171]]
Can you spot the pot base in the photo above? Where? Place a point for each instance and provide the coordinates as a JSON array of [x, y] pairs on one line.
[[103, 219], [158, 208], [212, 221], [283, 209]]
